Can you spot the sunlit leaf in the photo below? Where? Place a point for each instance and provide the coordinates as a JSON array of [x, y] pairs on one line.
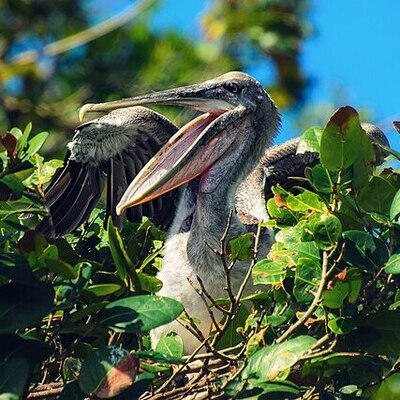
[[310, 140], [35, 144], [274, 362], [341, 326], [239, 248], [325, 229], [334, 297], [102, 289], [170, 344], [267, 272], [395, 207], [139, 313], [393, 265], [306, 280], [341, 139], [320, 178]]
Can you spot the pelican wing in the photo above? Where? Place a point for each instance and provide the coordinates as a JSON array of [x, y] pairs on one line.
[[282, 163], [110, 151]]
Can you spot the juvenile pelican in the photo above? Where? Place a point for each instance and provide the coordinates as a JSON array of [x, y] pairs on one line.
[[222, 156], [214, 153]]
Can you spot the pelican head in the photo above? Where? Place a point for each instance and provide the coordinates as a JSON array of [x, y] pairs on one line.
[[238, 116]]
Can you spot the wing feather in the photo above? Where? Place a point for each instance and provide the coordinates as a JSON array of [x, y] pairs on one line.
[[113, 148]]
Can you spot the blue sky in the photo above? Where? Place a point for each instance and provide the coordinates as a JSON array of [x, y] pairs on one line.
[[352, 58]]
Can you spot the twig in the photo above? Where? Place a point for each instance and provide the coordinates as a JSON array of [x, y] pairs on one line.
[[46, 390], [204, 297], [209, 297], [236, 299], [175, 374], [323, 352], [313, 305]]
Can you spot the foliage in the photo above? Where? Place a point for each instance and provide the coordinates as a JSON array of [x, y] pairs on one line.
[[323, 321]]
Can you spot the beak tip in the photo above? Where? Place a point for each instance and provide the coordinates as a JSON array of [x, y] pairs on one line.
[[120, 209], [83, 110]]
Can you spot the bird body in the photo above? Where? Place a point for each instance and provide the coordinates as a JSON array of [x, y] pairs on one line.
[[222, 159]]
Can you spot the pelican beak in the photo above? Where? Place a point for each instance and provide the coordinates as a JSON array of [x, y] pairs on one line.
[[190, 152], [194, 96]]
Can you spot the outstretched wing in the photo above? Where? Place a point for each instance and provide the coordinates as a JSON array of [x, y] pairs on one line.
[[110, 150]]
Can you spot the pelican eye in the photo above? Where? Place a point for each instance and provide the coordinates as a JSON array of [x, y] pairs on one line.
[[232, 87]]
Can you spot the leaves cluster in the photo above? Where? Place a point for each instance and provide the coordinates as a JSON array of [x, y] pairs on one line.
[[322, 321]]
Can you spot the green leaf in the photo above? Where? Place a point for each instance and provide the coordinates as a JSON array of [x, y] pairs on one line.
[[341, 139], [86, 311], [159, 357], [281, 213], [102, 289], [16, 132], [61, 268], [13, 184], [22, 306], [377, 196], [14, 374], [354, 280], [149, 283], [307, 278], [231, 337], [305, 201], [274, 362], [139, 313], [342, 326], [395, 207], [363, 250], [310, 140], [325, 230], [393, 265], [35, 144], [267, 272], [334, 298], [261, 390], [24, 138], [170, 344], [108, 371], [239, 248], [363, 166], [120, 257], [349, 288], [307, 250], [43, 171], [320, 178]]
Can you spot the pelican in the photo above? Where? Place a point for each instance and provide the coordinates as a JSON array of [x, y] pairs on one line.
[[217, 156]]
